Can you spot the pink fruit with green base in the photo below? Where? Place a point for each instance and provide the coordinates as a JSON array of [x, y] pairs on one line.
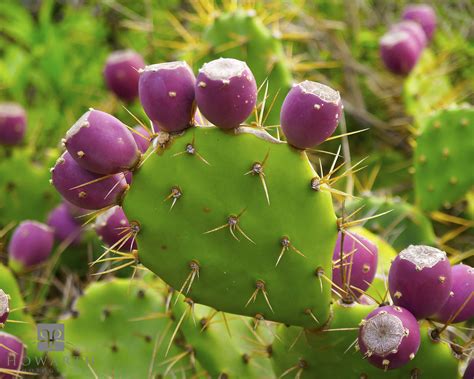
[[30, 245]]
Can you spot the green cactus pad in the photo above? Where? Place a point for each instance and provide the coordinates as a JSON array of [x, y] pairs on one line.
[[114, 332], [443, 154], [20, 323], [330, 354], [404, 225], [258, 46], [25, 192], [224, 344], [427, 88], [236, 264]]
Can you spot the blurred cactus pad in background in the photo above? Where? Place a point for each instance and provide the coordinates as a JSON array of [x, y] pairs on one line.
[[236, 189]]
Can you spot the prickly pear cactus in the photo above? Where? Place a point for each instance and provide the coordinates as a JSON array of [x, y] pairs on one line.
[[19, 174], [242, 35], [404, 225], [443, 151], [20, 322], [117, 328], [330, 352], [234, 222], [225, 345]]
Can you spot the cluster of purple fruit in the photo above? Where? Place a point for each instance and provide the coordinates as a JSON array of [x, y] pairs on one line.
[[402, 45], [422, 285], [32, 242], [101, 151]]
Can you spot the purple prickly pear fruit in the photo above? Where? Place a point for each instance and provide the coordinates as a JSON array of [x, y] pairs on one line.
[[167, 95], [65, 226], [414, 29], [469, 372], [389, 337], [420, 280], [360, 257], [424, 15], [85, 189], [460, 296], [12, 124], [310, 114], [226, 92], [102, 144], [12, 352], [114, 229], [399, 51], [121, 73], [4, 307], [30, 245], [142, 138]]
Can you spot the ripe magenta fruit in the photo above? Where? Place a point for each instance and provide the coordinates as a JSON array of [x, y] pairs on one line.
[[310, 114], [359, 263], [167, 95], [414, 29], [400, 51], [12, 124], [121, 73], [226, 92], [85, 189], [460, 296], [424, 15], [12, 352], [420, 280], [101, 143], [389, 337], [114, 229], [30, 245]]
